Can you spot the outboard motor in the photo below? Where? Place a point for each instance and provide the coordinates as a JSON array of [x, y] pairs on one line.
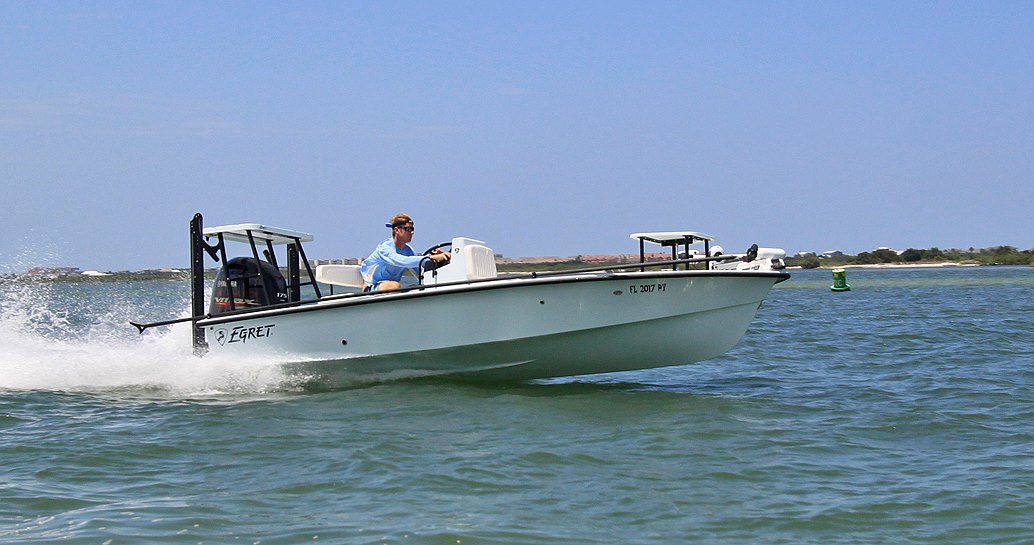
[[245, 282], [756, 259]]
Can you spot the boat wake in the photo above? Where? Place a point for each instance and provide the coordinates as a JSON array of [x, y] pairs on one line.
[[58, 338]]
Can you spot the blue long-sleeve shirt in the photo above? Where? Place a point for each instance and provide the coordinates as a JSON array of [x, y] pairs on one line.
[[389, 263]]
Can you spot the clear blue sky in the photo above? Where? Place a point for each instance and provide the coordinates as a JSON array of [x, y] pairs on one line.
[[544, 128]]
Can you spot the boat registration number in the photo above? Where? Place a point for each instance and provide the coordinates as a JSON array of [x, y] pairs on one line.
[[647, 288]]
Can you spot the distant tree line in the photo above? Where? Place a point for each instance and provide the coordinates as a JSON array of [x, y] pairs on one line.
[[998, 255]]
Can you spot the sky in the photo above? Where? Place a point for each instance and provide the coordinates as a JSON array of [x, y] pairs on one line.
[[543, 128]]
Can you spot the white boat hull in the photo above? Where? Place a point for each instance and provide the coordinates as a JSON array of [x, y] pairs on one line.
[[507, 329]]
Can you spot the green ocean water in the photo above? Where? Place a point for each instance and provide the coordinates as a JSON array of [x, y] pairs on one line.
[[899, 412]]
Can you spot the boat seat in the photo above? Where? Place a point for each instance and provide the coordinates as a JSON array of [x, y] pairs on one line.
[[340, 275]]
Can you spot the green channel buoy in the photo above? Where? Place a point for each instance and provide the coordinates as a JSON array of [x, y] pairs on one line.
[[840, 281]]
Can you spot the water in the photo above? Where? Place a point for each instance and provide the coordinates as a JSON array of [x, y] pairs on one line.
[[899, 412]]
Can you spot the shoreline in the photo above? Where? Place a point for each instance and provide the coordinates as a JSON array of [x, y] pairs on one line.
[[180, 274], [902, 265]]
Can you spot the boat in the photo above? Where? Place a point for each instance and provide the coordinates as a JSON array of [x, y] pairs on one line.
[[466, 320]]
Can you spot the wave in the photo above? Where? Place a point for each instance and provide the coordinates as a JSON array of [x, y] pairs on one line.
[[78, 338]]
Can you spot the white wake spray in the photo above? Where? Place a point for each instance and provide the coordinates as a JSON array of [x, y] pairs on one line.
[[67, 338]]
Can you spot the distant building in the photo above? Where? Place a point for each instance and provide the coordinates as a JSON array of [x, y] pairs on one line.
[[612, 258], [884, 248], [544, 259], [52, 272], [602, 258]]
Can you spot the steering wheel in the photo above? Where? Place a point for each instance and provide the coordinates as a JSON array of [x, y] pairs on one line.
[[431, 264], [437, 247]]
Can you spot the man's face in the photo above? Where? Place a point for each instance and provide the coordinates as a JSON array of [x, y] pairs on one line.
[[405, 233]]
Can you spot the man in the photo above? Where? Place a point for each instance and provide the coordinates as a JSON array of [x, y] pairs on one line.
[[383, 270]]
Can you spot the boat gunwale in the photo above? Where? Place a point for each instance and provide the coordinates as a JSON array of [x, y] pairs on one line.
[[468, 286]]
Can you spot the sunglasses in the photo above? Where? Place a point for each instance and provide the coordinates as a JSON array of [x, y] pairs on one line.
[[408, 229]]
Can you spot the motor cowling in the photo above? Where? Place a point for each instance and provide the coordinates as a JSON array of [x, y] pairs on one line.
[[756, 259], [245, 282]]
